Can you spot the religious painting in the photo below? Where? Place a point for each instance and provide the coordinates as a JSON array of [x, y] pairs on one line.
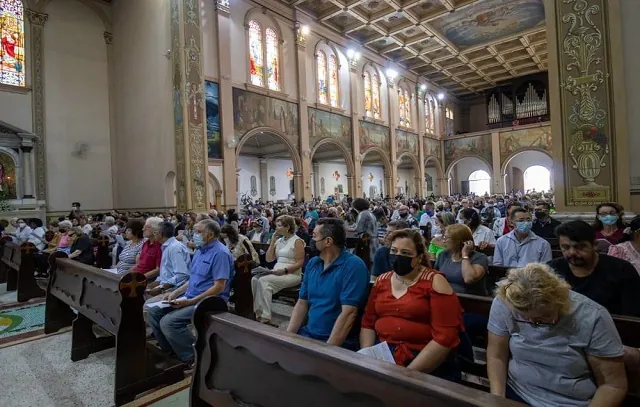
[[374, 135], [476, 146], [273, 64], [212, 99], [407, 143], [429, 182], [489, 20], [328, 125], [527, 139], [251, 110], [255, 53], [12, 43], [432, 148], [7, 176]]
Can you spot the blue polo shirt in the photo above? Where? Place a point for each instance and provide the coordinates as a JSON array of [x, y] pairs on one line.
[[344, 282], [210, 263]]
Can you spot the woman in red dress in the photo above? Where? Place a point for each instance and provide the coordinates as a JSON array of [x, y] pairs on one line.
[[414, 309]]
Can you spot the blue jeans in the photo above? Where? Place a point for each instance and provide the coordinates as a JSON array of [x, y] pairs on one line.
[[171, 328]]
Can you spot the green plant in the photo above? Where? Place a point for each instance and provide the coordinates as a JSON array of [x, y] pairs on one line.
[[4, 199]]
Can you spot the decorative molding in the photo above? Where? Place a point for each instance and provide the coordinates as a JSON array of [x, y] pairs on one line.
[[37, 21], [36, 18], [181, 187], [108, 37], [223, 6], [301, 38]]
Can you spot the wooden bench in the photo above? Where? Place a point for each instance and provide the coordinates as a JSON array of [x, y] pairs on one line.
[[280, 369], [103, 252], [242, 296], [19, 264], [114, 302]]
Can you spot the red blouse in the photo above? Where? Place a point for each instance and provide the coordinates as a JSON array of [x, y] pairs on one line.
[[613, 238], [413, 320]]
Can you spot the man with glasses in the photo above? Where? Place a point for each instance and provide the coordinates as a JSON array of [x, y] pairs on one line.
[[334, 290], [544, 225]]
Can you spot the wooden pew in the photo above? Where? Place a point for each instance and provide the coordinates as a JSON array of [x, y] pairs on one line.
[[280, 369], [114, 302], [103, 253], [363, 251], [242, 295], [20, 265]]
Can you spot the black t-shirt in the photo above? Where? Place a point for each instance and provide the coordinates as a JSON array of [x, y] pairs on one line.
[[614, 284], [83, 243], [545, 230]]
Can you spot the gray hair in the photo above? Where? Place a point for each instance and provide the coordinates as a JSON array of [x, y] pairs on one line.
[[211, 226], [65, 224], [110, 220], [154, 222]]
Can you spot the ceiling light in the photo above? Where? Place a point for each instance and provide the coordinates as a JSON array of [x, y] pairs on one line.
[[423, 87], [391, 74], [351, 53], [305, 29], [440, 96]]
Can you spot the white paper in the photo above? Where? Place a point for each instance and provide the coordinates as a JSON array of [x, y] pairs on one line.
[[113, 270], [380, 351], [158, 304]]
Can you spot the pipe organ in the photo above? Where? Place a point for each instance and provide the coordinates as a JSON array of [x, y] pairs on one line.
[[523, 101]]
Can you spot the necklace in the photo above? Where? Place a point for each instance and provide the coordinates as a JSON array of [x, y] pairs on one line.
[[405, 282]]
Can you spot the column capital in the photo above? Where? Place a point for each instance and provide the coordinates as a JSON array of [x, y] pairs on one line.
[[223, 6], [36, 18], [26, 149], [108, 37]]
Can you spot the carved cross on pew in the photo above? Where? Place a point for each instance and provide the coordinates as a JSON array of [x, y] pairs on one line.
[[244, 265], [28, 248], [365, 239], [103, 241], [134, 284]]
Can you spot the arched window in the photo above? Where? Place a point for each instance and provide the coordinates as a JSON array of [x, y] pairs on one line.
[[264, 56], [537, 177], [375, 95], [368, 105], [429, 115], [404, 107], [12, 45], [371, 94], [449, 123], [479, 182], [333, 80], [323, 94]]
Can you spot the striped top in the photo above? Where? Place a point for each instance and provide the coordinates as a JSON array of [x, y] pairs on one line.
[[128, 256]]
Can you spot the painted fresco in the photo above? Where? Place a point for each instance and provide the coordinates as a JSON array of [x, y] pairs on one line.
[[328, 125], [433, 148], [212, 99], [407, 143], [517, 140], [251, 110], [374, 135], [490, 20], [7, 175], [476, 146]]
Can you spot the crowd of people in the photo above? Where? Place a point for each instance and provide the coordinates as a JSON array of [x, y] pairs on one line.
[[551, 335]]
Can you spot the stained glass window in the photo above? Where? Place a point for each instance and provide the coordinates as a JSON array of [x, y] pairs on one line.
[[427, 116], [367, 94], [404, 106], [12, 43], [255, 53], [375, 95], [273, 65], [322, 78], [333, 80]]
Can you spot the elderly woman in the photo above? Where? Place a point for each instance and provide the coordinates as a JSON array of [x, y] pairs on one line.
[[437, 244], [287, 250], [237, 243], [110, 228], [131, 246], [464, 268], [550, 346], [82, 247], [259, 232], [413, 309]]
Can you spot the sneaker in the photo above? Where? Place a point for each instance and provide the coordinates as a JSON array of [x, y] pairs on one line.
[[189, 367]]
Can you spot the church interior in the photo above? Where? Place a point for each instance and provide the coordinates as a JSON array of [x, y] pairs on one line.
[[114, 112]]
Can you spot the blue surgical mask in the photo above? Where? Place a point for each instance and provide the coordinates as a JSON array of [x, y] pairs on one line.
[[524, 227], [198, 240], [430, 213], [609, 219]]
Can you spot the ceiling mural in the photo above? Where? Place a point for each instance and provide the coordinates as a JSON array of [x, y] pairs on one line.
[[489, 20], [461, 46]]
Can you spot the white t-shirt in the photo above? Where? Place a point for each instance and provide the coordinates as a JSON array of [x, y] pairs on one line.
[[483, 234]]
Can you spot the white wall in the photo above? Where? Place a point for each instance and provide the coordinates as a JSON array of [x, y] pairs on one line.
[[378, 174], [144, 107], [464, 168], [630, 11], [15, 109], [209, 39], [525, 160], [77, 107], [326, 170], [277, 168], [249, 166], [434, 175], [407, 175]]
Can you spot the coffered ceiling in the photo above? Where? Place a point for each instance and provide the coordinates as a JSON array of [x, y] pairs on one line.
[[463, 46]]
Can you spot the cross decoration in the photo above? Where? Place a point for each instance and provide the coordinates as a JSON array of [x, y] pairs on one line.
[[242, 265], [27, 248], [133, 285], [103, 241]]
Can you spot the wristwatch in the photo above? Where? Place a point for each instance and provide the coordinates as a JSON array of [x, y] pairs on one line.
[[286, 270], [465, 257]]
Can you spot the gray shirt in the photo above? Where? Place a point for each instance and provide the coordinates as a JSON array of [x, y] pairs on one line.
[[548, 364], [510, 252], [453, 272]]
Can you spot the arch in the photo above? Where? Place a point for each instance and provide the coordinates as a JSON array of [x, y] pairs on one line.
[[170, 189], [483, 178], [414, 160], [295, 157], [261, 13], [544, 185], [325, 47], [457, 160], [505, 164], [343, 150], [385, 159], [438, 165], [106, 21], [372, 65], [266, 20]]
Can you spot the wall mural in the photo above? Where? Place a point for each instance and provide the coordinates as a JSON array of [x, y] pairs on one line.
[[374, 135], [476, 146], [329, 125], [518, 140], [489, 20], [432, 147], [407, 143], [212, 99], [251, 110]]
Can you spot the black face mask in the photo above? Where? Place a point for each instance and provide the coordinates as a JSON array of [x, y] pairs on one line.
[[404, 215], [540, 215], [401, 264]]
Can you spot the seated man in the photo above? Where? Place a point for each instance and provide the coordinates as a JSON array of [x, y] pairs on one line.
[[611, 282], [334, 290], [210, 274], [149, 259], [174, 264], [544, 225], [521, 246], [381, 261]]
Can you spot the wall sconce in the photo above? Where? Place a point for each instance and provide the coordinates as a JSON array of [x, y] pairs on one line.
[[421, 89], [354, 57], [391, 75], [302, 31], [307, 185], [232, 143]]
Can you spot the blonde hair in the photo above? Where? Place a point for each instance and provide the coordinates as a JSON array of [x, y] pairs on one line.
[[288, 222], [535, 287], [459, 234]]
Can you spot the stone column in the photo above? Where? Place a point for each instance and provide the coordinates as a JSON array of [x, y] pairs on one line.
[[303, 189], [355, 188], [27, 172], [393, 154], [587, 98], [108, 40], [264, 181], [421, 127], [189, 106], [316, 179], [497, 182], [37, 21]]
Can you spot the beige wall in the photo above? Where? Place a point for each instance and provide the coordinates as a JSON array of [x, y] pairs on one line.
[[16, 109], [477, 116], [630, 34], [77, 107], [209, 39], [143, 98]]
